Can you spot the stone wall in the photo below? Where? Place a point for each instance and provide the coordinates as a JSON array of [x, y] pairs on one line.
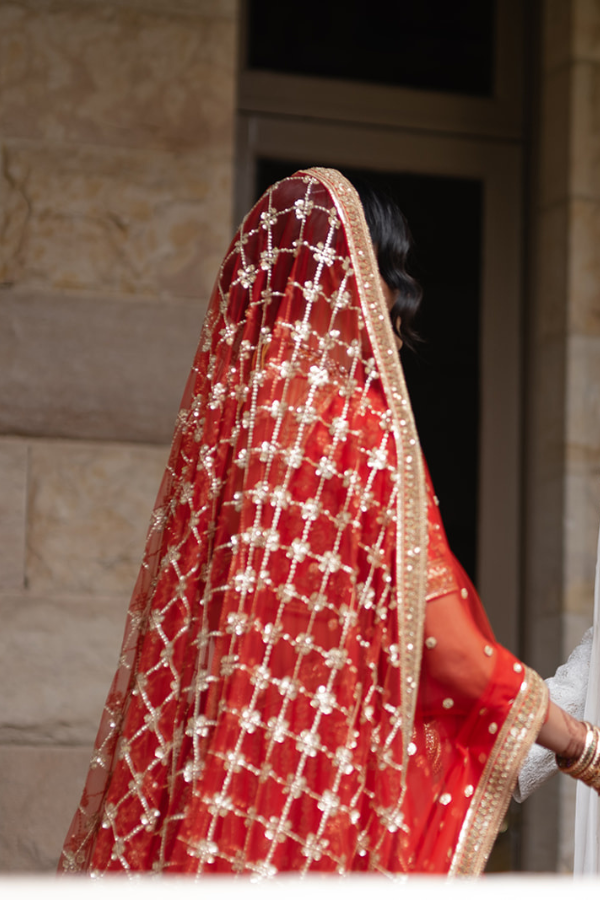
[[116, 155], [564, 352], [116, 145]]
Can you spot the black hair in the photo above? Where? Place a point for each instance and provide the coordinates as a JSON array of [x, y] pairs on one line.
[[392, 240]]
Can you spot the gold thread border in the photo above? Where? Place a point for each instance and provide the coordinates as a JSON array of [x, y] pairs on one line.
[[411, 530], [492, 797]]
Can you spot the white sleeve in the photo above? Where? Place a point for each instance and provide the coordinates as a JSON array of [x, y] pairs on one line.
[[587, 806], [568, 689]]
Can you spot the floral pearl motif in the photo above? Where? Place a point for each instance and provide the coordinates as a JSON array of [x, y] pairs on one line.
[[296, 629]]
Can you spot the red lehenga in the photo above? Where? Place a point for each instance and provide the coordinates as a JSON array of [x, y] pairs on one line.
[[283, 701]]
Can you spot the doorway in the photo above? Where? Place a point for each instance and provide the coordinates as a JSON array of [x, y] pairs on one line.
[[442, 375]]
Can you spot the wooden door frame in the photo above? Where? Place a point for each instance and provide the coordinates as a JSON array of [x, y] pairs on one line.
[[341, 100]]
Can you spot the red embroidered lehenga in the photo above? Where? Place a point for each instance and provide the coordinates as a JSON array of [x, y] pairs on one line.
[[286, 698]]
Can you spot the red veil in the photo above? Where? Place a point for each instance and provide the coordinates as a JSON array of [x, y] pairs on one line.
[[282, 701]]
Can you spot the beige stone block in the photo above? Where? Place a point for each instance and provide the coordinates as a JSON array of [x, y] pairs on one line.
[[579, 595], [583, 394], [584, 268], [13, 507], [94, 368], [89, 509], [129, 75], [133, 223], [58, 657], [574, 627], [586, 29], [40, 788]]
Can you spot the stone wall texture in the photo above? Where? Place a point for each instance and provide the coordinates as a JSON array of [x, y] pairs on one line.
[[116, 164], [563, 477], [116, 158]]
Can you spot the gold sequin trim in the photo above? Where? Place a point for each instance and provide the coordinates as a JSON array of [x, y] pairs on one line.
[[440, 580], [491, 799], [411, 570]]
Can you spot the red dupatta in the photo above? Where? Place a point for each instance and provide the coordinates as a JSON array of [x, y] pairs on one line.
[[270, 712]]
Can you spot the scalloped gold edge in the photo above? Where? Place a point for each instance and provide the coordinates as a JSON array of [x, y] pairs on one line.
[[411, 529], [492, 797]]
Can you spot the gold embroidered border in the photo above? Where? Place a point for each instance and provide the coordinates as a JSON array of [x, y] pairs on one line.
[[491, 799], [411, 530], [441, 580]]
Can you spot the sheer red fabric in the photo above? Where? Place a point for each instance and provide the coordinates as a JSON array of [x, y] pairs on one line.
[[284, 701]]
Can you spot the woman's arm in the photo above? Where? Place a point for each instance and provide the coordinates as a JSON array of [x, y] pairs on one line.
[[561, 733], [463, 662]]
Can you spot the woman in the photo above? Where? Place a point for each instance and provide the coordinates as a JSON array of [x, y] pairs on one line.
[[308, 681]]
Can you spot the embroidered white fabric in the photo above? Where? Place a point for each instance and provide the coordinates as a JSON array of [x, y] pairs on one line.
[[587, 808], [568, 689]]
